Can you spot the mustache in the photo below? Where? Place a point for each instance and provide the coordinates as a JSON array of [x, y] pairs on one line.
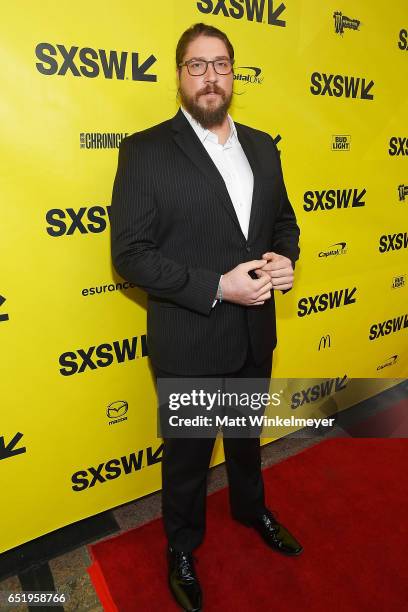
[[211, 89]]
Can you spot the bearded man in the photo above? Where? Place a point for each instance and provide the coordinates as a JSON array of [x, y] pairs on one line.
[[201, 221]]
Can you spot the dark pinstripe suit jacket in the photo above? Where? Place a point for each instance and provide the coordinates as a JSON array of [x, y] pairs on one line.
[[174, 231]]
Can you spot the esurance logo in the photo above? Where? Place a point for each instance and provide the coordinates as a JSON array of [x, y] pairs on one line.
[[339, 248], [102, 356], [341, 86], [253, 10], [341, 22], [393, 242], [65, 222], [326, 301], [331, 199], [398, 146], [390, 326], [91, 63]]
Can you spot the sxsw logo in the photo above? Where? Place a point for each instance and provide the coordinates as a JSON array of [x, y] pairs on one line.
[[393, 242], [390, 326], [338, 248], [321, 390], [3, 315], [249, 74], [116, 412], [403, 40], [388, 362], [341, 22], [253, 10], [65, 222], [398, 146], [341, 142], [339, 85], [325, 342], [398, 282], [333, 199], [402, 192], [9, 450], [91, 63], [326, 301], [101, 140], [102, 356], [114, 468]]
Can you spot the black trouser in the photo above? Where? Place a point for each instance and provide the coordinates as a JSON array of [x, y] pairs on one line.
[[185, 463]]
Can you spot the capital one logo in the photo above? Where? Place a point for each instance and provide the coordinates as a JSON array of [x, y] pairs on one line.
[[248, 74], [91, 63], [388, 362], [253, 10]]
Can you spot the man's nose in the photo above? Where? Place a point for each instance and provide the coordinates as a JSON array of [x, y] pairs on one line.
[[210, 74]]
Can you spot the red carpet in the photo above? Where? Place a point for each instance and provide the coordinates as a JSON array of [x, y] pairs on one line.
[[345, 499]]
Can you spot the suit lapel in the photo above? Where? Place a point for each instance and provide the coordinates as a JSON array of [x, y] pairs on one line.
[[190, 144], [249, 149]]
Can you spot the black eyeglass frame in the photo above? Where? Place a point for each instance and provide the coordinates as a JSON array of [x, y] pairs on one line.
[[231, 61]]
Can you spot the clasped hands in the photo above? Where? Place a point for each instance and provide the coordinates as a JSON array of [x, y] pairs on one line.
[[274, 272]]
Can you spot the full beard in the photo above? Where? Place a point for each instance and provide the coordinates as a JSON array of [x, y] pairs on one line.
[[211, 115]]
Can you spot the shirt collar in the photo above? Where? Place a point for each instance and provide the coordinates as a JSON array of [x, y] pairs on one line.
[[203, 133]]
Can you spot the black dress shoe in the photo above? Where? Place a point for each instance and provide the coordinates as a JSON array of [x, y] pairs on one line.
[[275, 534], [183, 581]]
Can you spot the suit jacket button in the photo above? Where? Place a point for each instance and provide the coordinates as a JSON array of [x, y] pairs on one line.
[[248, 248]]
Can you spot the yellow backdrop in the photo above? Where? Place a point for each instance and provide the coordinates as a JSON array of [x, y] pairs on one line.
[[326, 79]]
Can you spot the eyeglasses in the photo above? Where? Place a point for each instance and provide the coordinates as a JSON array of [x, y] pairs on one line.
[[199, 67]]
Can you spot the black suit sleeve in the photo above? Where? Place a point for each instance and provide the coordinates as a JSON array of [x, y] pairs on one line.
[[136, 255], [285, 239]]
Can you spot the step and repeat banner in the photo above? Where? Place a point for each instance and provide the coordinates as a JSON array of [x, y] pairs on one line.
[[328, 81]]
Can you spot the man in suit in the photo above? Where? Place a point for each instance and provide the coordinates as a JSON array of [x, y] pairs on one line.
[[201, 221]]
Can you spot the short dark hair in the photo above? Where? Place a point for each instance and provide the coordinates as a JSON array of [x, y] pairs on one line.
[[196, 30]]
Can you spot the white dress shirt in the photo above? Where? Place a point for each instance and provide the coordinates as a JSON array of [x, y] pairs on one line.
[[233, 166]]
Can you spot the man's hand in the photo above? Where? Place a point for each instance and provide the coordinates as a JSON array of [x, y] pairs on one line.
[[279, 269], [238, 287]]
